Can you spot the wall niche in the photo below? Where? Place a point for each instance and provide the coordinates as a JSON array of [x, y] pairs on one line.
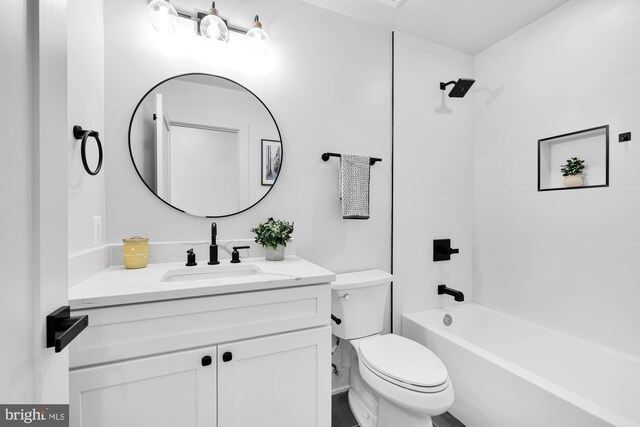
[[590, 145]]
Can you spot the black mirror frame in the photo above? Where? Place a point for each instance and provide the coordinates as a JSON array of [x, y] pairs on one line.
[[229, 80]]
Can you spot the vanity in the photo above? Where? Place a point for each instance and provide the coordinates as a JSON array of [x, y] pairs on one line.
[[244, 343], [229, 345]]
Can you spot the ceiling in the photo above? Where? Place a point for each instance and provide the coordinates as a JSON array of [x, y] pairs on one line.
[[470, 26]]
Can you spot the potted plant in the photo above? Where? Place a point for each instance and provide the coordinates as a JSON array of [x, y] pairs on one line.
[[572, 172], [274, 236]]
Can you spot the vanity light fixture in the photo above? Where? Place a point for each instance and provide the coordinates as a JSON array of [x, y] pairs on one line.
[[213, 28], [258, 39], [164, 18]]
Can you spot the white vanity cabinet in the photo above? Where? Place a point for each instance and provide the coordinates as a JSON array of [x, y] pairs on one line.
[[275, 381], [147, 364], [162, 391]]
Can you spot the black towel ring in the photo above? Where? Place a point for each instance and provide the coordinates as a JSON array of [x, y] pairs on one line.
[[79, 133]]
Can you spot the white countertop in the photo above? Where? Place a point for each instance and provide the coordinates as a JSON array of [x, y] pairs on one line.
[[117, 285]]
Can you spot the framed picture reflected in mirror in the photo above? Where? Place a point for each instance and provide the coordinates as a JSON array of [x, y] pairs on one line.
[[271, 161]]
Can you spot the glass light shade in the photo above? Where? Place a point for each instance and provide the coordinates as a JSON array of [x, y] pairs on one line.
[[214, 29], [258, 41], [163, 16]]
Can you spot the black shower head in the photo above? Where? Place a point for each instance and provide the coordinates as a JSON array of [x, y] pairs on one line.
[[460, 88]]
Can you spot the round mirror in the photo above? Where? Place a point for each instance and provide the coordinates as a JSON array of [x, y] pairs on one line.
[[205, 145]]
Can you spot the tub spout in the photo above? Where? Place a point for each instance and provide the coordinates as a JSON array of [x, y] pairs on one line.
[[456, 294]]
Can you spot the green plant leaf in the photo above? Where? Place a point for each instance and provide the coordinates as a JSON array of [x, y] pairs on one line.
[[273, 233]]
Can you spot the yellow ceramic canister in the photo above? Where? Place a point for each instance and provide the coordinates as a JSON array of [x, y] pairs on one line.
[[136, 252]]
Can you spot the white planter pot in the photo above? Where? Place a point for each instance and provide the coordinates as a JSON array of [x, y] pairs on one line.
[[573, 181], [274, 254]]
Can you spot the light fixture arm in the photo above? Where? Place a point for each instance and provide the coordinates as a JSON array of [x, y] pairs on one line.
[[198, 16]]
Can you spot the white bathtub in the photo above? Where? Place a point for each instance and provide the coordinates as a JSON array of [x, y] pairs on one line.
[[507, 372]]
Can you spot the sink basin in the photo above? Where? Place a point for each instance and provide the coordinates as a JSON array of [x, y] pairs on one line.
[[210, 273]]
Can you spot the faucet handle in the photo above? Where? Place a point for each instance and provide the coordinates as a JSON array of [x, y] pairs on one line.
[[235, 255], [191, 258], [442, 250]]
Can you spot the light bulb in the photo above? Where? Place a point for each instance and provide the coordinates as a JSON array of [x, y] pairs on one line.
[[258, 41], [213, 28], [163, 16]]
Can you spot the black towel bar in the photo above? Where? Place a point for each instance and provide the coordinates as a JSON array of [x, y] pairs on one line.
[[325, 157]]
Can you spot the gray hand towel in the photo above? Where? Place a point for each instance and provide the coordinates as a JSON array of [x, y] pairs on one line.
[[353, 180]]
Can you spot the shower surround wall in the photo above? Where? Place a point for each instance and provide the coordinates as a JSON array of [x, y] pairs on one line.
[[433, 145], [564, 259]]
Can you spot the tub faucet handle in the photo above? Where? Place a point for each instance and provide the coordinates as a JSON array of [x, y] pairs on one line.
[[442, 250]]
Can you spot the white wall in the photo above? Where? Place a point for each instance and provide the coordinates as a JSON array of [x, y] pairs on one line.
[[327, 84], [86, 108], [328, 91], [18, 293], [33, 131], [566, 259], [432, 175]]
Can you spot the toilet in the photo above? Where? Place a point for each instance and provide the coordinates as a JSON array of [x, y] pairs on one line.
[[393, 381]]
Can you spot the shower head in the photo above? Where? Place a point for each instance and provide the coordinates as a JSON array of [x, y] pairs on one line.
[[460, 88]]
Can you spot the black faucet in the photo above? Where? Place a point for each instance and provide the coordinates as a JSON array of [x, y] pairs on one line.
[[456, 294], [235, 255], [213, 248]]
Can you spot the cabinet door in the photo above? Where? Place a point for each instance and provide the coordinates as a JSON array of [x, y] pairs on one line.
[[175, 389], [277, 381]]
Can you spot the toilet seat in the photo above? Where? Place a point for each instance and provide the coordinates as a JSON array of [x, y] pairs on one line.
[[412, 401], [403, 362]]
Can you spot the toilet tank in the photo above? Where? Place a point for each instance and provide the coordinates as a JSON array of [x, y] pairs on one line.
[[358, 299]]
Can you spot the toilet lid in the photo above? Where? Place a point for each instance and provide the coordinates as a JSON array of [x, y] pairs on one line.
[[403, 360]]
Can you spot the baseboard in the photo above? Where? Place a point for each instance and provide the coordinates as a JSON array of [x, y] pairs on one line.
[[339, 390]]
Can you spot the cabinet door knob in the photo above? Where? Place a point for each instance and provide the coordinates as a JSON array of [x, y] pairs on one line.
[[206, 361], [227, 356]]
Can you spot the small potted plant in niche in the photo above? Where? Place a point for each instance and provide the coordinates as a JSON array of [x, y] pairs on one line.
[[274, 236], [572, 172]]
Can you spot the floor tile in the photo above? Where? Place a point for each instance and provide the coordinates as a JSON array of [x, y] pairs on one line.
[[446, 420], [341, 415]]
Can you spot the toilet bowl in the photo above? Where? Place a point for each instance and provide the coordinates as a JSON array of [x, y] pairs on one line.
[[393, 381]]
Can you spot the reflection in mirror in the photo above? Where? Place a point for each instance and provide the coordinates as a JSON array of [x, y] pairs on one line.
[[205, 145]]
